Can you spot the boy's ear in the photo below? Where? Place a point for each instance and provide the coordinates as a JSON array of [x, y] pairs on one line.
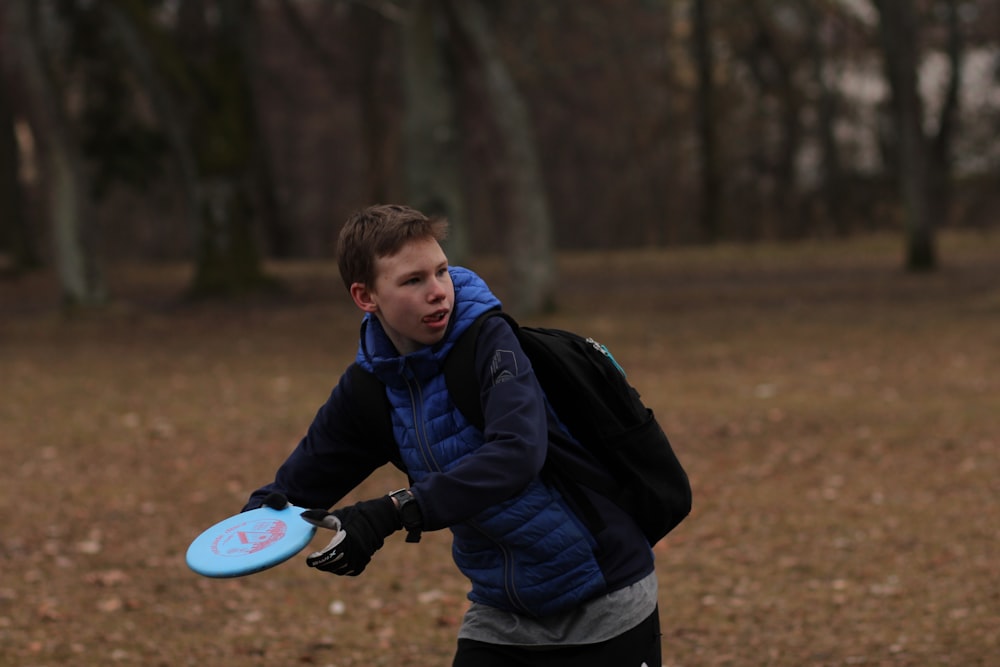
[[363, 297]]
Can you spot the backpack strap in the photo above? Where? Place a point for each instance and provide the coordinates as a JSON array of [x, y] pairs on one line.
[[560, 470], [372, 407], [460, 369]]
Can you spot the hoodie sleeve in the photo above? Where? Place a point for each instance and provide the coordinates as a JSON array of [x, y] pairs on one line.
[[331, 459], [515, 436]]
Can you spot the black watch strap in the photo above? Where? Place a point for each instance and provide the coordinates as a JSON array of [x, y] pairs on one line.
[[409, 513]]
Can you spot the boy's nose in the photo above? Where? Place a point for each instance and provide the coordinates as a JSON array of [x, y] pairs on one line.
[[437, 291]]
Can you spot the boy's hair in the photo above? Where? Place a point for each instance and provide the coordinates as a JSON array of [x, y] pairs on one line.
[[381, 231]]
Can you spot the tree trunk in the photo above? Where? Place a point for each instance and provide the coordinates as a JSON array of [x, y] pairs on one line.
[[899, 43], [775, 75], [831, 186], [278, 236], [532, 261], [17, 251], [228, 263], [222, 134], [378, 133], [940, 154], [711, 171], [130, 26], [432, 152], [216, 149], [213, 149], [70, 210]]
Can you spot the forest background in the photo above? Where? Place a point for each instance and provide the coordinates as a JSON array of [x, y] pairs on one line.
[[780, 216], [226, 133]]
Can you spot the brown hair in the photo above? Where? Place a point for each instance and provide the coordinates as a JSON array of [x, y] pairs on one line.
[[381, 231]]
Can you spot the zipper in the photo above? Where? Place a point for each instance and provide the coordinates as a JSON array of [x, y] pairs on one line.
[[600, 347], [419, 425], [509, 587]]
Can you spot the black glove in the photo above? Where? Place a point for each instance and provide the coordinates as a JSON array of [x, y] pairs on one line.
[[362, 531], [276, 500]]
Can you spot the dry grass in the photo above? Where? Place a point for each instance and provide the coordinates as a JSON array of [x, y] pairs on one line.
[[839, 420]]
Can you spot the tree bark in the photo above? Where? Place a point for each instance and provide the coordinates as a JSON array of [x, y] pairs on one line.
[[379, 135], [198, 81], [222, 134], [15, 236], [940, 153], [831, 186], [774, 73], [531, 256], [70, 210], [711, 171], [277, 234], [432, 151], [898, 30], [131, 27]]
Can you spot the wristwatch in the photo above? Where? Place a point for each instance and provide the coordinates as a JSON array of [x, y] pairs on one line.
[[409, 513]]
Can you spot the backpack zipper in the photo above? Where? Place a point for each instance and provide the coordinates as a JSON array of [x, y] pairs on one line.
[[607, 353]]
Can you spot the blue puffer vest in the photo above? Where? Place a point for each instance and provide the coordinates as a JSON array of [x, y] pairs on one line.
[[529, 554]]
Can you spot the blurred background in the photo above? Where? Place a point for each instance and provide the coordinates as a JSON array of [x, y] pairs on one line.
[[781, 215], [224, 133]]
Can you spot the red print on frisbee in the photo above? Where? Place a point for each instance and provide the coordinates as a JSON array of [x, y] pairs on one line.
[[249, 537]]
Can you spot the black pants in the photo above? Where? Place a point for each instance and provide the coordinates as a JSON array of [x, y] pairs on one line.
[[639, 646]]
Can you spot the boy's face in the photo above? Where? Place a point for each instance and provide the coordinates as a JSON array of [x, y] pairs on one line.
[[413, 295]]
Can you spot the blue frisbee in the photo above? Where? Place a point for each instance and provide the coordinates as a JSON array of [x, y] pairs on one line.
[[250, 542]]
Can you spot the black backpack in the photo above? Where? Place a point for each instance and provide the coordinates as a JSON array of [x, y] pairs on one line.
[[588, 390]]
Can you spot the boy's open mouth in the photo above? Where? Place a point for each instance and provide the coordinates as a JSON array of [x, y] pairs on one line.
[[436, 317]]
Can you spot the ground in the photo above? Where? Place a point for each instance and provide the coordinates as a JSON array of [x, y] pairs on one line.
[[838, 419]]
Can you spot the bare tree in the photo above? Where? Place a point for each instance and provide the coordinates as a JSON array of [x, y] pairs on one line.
[[531, 255], [277, 234], [222, 132], [134, 31], [711, 169], [771, 53], [430, 125], [198, 79], [70, 208], [432, 152], [831, 170], [898, 29], [371, 25], [379, 135], [941, 144], [16, 240]]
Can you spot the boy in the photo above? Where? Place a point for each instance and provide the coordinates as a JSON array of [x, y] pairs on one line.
[[559, 576]]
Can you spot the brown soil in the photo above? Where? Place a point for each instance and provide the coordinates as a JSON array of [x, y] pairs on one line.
[[840, 421]]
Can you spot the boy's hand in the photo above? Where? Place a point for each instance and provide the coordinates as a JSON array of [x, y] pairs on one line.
[[363, 529], [276, 500]]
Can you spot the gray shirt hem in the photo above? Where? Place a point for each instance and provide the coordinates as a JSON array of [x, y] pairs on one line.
[[596, 621]]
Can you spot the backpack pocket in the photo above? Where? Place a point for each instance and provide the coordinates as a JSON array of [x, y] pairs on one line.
[[655, 489]]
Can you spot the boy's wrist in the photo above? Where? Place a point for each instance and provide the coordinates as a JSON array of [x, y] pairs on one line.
[[409, 513]]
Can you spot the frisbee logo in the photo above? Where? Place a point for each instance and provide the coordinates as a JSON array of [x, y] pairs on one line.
[[249, 537]]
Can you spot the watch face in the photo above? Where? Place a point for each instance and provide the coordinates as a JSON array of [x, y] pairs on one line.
[[409, 512]]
